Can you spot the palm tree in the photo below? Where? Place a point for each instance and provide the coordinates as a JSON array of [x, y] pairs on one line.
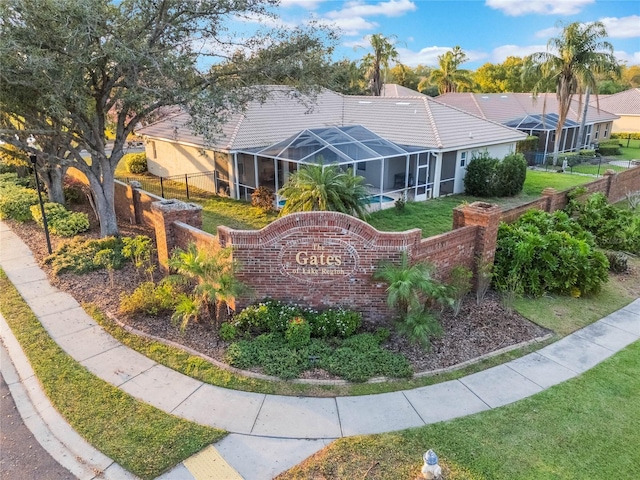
[[449, 78], [383, 52], [216, 284], [571, 62], [325, 187]]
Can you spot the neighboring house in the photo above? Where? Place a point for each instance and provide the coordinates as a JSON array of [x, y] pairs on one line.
[[624, 104], [399, 144], [536, 116]]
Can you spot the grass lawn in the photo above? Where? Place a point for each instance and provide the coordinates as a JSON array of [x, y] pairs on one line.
[[632, 152], [234, 214], [585, 428], [141, 438], [436, 216]]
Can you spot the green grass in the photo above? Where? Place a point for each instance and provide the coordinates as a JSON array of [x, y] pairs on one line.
[[564, 314], [585, 428], [632, 152], [596, 169], [233, 214], [141, 438], [537, 181]]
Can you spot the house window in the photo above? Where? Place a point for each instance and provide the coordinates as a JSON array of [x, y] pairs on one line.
[[606, 131], [597, 134], [463, 159], [362, 166]]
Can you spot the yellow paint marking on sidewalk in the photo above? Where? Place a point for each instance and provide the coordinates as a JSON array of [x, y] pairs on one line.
[[208, 464]]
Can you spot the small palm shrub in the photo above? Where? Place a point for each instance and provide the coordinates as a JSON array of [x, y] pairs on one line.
[[61, 221], [136, 162], [552, 253], [264, 199]]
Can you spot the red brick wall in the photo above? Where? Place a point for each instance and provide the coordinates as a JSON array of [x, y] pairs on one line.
[[511, 215], [449, 250], [319, 259]]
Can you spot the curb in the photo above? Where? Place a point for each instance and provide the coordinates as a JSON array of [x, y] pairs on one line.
[[46, 424]]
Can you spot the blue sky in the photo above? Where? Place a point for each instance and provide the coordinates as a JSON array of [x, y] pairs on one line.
[[487, 30]]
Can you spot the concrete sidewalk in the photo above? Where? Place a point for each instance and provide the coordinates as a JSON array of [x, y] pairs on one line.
[[271, 433]]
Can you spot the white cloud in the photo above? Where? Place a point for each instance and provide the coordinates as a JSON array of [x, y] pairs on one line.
[[308, 4], [625, 27], [350, 26], [500, 54], [548, 32], [631, 58], [358, 8], [542, 7], [362, 43]]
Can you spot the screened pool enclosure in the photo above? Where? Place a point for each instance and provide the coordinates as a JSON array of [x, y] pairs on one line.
[[390, 169]]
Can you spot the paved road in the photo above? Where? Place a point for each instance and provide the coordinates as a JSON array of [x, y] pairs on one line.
[[21, 456]]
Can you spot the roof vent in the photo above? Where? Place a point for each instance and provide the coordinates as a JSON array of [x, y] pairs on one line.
[[504, 96], [485, 96], [403, 103], [364, 101]]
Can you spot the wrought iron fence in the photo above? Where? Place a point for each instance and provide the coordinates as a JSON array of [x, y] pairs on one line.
[[187, 187], [594, 165]]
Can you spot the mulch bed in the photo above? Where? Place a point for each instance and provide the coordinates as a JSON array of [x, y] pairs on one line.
[[476, 331]]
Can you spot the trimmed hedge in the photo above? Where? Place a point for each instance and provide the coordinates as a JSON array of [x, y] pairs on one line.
[[490, 177], [61, 221]]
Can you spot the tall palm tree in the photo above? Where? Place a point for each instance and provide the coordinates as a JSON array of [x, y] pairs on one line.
[[325, 187], [572, 61], [449, 78], [377, 63]]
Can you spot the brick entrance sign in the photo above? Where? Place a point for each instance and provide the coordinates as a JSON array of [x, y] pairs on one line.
[[318, 259]]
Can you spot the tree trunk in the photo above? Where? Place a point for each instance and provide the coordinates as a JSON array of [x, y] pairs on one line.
[[103, 195], [583, 120], [52, 177]]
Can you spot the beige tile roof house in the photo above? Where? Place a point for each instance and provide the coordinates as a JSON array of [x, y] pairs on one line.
[[416, 145], [626, 105], [536, 116]]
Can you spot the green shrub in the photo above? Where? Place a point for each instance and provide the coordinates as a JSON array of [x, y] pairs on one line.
[[77, 255], [510, 175], [460, 285], [298, 332], [618, 262], [139, 250], [479, 180], [419, 326], [613, 228], [149, 298], [264, 199], [15, 200], [400, 204], [548, 253], [228, 332], [61, 222], [623, 135], [135, 162], [267, 316], [335, 322], [74, 190], [529, 144]]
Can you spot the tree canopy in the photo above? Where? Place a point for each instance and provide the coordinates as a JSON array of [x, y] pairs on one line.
[[93, 59], [448, 77], [571, 62]]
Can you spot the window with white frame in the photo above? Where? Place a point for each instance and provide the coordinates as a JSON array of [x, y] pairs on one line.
[[463, 159], [597, 134], [606, 131]]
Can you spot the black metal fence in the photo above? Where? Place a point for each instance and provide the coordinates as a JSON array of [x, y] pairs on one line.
[[187, 187], [594, 165]]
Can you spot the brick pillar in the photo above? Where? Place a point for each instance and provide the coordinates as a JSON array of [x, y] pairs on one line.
[[550, 194], [165, 213], [610, 175], [487, 217]]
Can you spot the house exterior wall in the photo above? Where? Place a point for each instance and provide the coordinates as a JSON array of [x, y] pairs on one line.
[[626, 124], [171, 158]]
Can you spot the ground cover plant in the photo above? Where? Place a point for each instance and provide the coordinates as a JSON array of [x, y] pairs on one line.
[[61, 221], [143, 439], [549, 435]]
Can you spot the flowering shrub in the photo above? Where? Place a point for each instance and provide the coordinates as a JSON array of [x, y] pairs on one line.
[[298, 332], [335, 322]]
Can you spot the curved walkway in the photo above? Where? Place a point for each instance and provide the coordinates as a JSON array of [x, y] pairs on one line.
[[270, 433]]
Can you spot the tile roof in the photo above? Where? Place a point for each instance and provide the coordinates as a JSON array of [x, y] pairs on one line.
[[621, 103], [503, 107], [420, 121], [395, 90]]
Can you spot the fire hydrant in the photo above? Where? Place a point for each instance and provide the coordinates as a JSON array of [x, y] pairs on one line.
[[431, 469]]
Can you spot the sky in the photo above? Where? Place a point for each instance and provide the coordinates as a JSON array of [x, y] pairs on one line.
[[486, 30]]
